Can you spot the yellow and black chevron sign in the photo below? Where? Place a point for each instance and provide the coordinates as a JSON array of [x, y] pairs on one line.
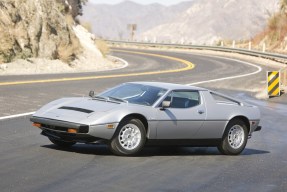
[[273, 83]]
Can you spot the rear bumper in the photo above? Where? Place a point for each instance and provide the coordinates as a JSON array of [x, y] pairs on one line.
[[258, 128]]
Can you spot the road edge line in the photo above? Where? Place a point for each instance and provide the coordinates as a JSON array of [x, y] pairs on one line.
[[16, 116], [259, 69]]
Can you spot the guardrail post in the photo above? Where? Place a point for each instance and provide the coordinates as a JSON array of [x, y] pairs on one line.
[[182, 41], [264, 47], [249, 46], [285, 77], [233, 44], [221, 43]]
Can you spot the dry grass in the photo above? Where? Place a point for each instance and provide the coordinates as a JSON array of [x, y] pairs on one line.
[[87, 25], [274, 34], [69, 19], [103, 46]]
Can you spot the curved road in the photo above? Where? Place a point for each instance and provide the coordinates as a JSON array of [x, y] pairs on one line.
[[28, 162]]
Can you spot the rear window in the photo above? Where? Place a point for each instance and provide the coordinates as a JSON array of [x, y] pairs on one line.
[[222, 99]]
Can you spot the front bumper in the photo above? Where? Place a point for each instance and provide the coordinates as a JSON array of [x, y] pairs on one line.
[[84, 133], [57, 125]]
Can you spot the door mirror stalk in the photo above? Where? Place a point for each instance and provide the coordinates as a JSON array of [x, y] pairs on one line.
[[92, 94]]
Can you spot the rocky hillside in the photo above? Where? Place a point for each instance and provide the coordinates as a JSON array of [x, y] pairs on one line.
[[197, 21], [41, 29]]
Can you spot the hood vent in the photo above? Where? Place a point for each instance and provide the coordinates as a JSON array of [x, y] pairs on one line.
[[77, 109]]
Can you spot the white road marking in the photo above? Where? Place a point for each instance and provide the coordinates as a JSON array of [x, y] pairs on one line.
[[259, 69], [196, 83], [15, 116], [126, 64]]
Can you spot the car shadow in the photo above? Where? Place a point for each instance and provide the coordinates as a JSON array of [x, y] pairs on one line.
[[254, 152], [192, 151], [87, 149], [102, 150]]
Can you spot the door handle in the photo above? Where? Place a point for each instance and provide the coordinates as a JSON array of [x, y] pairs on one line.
[[200, 111]]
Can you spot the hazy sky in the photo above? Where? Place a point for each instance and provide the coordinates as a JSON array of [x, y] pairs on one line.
[[164, 2]]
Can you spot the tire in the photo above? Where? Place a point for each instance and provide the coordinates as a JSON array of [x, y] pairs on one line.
[[129, 138], [234, 139], [63, 144]]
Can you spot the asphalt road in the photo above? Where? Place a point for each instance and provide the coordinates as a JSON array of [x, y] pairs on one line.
[[29, 162]]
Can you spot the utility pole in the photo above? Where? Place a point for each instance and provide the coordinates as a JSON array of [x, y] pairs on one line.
[[132, 28]]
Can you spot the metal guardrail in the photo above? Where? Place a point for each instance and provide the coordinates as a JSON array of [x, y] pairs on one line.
[[274, 56]]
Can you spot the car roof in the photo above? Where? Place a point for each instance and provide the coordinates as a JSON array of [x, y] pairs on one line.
[[169, 86]]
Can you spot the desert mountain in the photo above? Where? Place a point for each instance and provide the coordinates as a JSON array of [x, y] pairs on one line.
[[197, 21], [110, 21]]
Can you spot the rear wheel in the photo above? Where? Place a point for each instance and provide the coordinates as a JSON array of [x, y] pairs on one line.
[[129, 138], [62, 143], [234, 139]]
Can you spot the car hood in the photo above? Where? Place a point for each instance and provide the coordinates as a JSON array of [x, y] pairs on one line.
[[75, 109]]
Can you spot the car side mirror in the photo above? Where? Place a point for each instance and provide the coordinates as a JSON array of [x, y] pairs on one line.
[[92, 94], [165, 105]]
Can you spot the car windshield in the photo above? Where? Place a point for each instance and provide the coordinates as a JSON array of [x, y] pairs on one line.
[[135, 93]]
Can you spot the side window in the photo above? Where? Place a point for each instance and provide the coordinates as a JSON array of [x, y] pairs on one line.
[[183, 99]]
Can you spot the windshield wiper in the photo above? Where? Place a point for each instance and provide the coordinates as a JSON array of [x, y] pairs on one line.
[[100, 98], [118, 99], [109, 99]]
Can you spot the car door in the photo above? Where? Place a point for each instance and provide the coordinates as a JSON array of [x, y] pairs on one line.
[[183, 118]]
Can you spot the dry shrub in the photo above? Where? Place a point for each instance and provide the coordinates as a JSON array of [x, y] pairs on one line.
[[103, 46], [67, 52]]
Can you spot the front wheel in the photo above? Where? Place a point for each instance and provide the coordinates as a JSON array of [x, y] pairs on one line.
[[129, 138], [62, 143], [234, 139]]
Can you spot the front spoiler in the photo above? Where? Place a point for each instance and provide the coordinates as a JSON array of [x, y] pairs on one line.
[[69, 137]]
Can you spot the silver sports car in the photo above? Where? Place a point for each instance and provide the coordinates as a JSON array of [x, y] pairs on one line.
[[132, 115]]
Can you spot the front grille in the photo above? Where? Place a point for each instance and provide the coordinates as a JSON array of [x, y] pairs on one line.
[[84, 129]]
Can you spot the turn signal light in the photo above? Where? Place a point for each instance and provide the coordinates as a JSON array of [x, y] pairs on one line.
[[37, 125], [72, 131], [110, 126]]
